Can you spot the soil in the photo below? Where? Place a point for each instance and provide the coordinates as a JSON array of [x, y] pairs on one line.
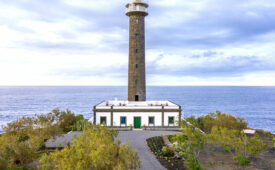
[[224, 160], [214, 157], [170, 162]]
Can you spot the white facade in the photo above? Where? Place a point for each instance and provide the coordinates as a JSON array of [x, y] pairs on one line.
[[158, 114]]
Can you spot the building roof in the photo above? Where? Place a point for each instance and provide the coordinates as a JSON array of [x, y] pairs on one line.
[[63, 140], [122, 104]]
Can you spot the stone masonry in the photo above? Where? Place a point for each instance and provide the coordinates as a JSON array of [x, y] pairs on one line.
[[136, 72]]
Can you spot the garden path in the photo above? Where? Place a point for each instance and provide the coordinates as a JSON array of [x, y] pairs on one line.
[[137, 138]]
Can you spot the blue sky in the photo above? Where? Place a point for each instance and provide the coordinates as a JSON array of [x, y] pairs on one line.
[[85, 42]]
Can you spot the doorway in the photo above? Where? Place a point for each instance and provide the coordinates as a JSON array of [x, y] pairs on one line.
[[136, 98], [137, 122]]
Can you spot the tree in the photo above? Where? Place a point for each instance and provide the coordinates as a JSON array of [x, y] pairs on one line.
[[95, 149]]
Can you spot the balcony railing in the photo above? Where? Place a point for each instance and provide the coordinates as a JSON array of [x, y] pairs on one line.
[[133, 7], [140, 1]]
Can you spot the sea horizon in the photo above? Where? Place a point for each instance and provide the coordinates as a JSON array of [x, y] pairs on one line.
[[254, 103]]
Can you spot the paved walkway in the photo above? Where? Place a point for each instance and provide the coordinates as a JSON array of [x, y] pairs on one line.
[[138, 141]]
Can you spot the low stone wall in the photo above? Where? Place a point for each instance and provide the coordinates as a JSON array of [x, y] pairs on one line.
[[170, 146], [163, 128]]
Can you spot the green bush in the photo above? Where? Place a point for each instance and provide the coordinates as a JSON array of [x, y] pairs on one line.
[[221, 162], [25, 137], [81, 124], [227, 148], [16, 168], [193, 163], [177, 138], [171, 138], [241, 159], [166, 151], [218, 119], [155, 144], [211, 163], [260, 131], [79, 117]]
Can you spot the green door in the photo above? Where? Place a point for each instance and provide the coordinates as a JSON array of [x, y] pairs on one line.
[[137, 122]]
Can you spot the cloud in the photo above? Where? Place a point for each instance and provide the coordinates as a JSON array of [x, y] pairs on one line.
[[85, 42]]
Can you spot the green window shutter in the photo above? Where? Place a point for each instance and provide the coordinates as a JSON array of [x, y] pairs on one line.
[[171, 120], [102, 120], [151, 120]]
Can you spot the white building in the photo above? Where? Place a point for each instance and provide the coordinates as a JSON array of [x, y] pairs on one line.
[[149, 114]]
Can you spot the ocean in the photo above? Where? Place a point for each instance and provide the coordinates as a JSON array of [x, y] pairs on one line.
[[256, 104]]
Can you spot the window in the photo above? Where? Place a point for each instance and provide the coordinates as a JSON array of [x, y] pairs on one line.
[[136, 97], [137, 21], [136, 81], [151, 120], [171, 120], [136, 65], [122, 120], [102, 120], [136, 50], [137, 35]]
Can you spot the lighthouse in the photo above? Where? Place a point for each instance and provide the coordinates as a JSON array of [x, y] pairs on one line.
[[137, 112], [137, 11]]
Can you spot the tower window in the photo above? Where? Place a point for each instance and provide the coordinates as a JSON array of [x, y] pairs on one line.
[[137, 35], [137, 21], [136, 65], [136, 81], [136, 50]]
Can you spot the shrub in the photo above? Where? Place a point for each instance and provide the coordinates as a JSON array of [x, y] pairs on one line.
[[263, 132], [22, 140], [180, 138], [95, 149], [241, 159], [218, 119], [193, 163], [25, 137], [171, 138], [81, 124], [227, 148], [166, 151], [211, 163], [156, 143], [16, 168], [242, 145], [79, 117], [221, 162]]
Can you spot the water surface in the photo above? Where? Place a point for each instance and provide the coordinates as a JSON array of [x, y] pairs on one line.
[[256, 104]]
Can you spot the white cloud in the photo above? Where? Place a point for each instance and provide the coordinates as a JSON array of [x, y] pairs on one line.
[[85, 42]]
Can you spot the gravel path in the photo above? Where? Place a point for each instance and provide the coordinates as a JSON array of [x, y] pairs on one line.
[[138, 140]]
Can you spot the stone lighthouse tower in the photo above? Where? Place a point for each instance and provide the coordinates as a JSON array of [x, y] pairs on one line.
[[137, 10], [136, 111]]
